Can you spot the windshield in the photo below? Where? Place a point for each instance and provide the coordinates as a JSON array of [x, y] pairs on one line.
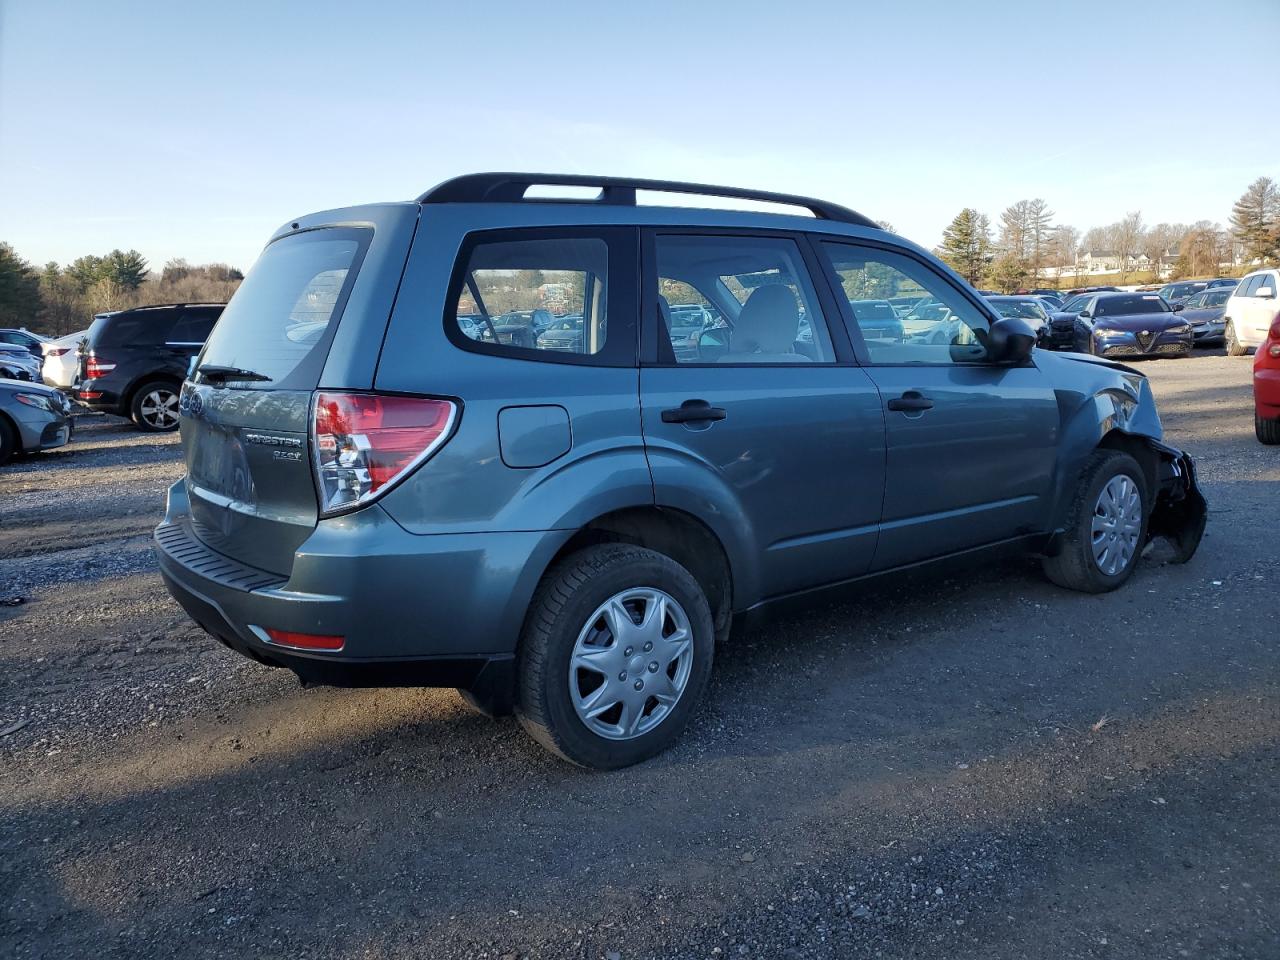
[[1217, 297], [1126, 305], [1023, 309], [1076, 304], [282, 311], [1181, 289]]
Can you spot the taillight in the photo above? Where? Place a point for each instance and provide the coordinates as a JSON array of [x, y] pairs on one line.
[[93, 367], [57, 351], [1275, 330], [363, 443]]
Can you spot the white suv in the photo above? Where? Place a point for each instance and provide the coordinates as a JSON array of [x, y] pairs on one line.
[[1253, 307]]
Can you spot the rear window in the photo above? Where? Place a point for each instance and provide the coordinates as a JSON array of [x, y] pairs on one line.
[[279, 323], [1138, 303]]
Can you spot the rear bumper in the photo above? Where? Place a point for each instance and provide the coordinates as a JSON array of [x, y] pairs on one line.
[[1266, 392], [100, 395], [434, 610]]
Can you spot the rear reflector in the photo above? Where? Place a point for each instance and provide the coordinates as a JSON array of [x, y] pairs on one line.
[[363, 443], [305, 641], [89, 394]]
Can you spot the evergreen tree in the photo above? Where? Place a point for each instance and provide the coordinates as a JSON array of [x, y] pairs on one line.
[[1255, 218], [966, 244], [19, 290]]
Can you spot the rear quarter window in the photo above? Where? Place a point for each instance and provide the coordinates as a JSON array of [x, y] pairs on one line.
[[282, 318], [132, 329]]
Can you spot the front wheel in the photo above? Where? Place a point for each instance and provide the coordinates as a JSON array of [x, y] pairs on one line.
[[1106, 525], [155, 407], [1234, 347], [615, 655]]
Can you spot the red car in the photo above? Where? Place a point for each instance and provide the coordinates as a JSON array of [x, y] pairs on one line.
[[1266, 387]]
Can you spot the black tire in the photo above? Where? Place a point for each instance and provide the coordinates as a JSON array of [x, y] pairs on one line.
[[1267, 431], [1074, 567], [144, 402], [8, 441], [566, 598], [1234, 347]]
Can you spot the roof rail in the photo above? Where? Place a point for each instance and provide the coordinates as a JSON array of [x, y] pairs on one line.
[[511, 187], [157, 306]]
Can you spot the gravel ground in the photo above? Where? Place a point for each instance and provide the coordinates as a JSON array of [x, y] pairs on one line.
[[984, 766]]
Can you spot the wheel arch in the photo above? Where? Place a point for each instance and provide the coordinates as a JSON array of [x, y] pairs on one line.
[[674, 533]]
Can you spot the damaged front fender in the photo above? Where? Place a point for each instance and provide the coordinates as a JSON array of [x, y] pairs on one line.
[[1180, 511]]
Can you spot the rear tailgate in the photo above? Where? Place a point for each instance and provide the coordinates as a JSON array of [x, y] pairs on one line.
[[311, 313]]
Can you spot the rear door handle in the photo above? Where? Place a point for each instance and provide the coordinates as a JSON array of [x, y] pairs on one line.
[[910, 402], [693, 411]]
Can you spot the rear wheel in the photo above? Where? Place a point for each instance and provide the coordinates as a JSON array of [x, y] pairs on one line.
[[8, 441], [615, 656], [155, 407], [1234, 347], [1106, 526], [1267, 431]]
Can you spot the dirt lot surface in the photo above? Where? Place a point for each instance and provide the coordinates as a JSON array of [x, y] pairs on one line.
[[984, 766]]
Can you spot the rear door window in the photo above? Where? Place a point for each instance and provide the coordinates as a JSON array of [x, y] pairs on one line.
[[282, 318], [739, 300]]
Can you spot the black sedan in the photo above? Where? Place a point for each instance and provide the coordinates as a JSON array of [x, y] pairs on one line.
[[1132, 325], [1060, 332]]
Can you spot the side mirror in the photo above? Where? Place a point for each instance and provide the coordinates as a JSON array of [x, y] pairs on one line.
[[1085, 315], [1010, 341], [1179, 307], [1266, 293]]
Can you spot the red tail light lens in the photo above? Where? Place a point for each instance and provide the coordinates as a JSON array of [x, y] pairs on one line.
[[1275, 330], [57, 352], [363, 443], [94, 367]]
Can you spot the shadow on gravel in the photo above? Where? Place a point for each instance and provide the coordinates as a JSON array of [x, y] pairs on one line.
[[340, 826]]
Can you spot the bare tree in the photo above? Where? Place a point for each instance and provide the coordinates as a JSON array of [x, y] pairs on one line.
[[1039, 220], [1127, 237], [1160, 242], [1015, 231]]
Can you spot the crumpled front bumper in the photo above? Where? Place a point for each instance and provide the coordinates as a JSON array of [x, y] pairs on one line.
[[1180, 511]]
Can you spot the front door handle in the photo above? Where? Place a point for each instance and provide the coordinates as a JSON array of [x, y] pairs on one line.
[[693, 411], [912, 401]]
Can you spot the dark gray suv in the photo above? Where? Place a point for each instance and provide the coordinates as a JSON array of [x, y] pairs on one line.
[[383, 489]]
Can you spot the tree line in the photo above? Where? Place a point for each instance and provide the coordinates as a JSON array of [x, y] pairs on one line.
[[57, 300], [1027, 243]]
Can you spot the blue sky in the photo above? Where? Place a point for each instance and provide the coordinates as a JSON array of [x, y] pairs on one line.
[[195, 130]]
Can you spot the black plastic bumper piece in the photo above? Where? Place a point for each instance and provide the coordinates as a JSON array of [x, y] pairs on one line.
[[489, 678], [1180, 511]]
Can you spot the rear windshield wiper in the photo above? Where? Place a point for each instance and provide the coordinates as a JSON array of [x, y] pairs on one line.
[[219, 374]]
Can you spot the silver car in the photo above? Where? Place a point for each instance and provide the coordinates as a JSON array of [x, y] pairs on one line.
[[32, 417]]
